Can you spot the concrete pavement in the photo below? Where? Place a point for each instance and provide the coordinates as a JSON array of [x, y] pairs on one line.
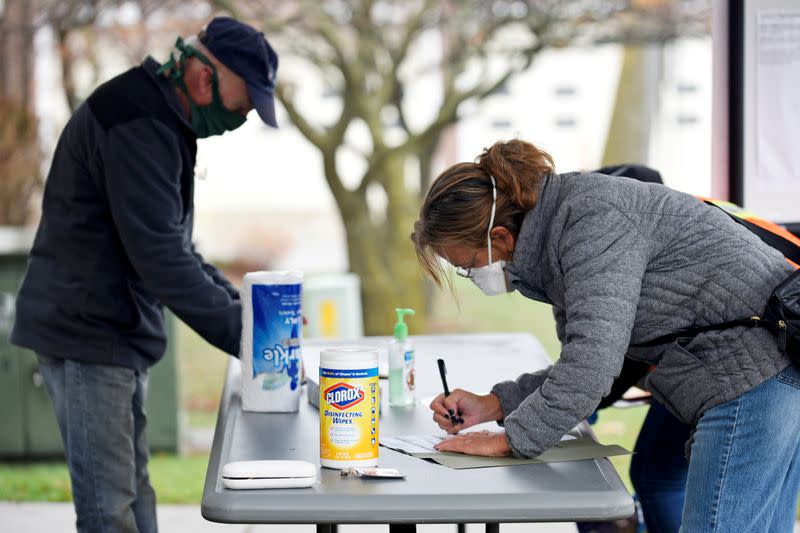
[[60, 518]]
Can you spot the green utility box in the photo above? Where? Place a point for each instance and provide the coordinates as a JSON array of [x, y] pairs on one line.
[[28, 427]]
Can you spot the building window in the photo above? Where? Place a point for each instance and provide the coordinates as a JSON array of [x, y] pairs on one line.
[[565, 91], [501, 123], [566, 122]]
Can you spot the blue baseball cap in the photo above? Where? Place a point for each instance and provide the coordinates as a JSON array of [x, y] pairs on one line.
[[245, 51]]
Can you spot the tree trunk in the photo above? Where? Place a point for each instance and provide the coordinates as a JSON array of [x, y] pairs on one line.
[[635, 106], [20, 178], [67, 67], [389, 278], [382, 253], [16, 51]]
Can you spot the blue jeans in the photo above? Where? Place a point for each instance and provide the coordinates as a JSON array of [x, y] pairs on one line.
[[100, 412], [744, 471]]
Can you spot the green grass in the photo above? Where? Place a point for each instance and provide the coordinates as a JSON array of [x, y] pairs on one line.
[[45, 481], [620, 426], [201, 419], [179, 479], [201, 369], [175, 479]]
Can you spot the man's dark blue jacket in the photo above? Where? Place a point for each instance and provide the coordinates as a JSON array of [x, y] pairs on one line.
[[115, 238]]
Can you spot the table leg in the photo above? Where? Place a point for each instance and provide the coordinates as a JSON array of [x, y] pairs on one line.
[[493, 528], [327, 528], [461, 528], [402, 528]]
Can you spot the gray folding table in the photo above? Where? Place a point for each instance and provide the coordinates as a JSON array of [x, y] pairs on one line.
[[431, 493]]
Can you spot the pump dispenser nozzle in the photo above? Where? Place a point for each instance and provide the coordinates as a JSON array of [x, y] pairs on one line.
[[401, 363], [401, 328]]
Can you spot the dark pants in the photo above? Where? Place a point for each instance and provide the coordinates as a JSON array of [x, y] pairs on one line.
[[659, 469], [100, 412]]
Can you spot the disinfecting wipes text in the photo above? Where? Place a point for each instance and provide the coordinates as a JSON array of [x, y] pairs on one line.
[[349, 409]]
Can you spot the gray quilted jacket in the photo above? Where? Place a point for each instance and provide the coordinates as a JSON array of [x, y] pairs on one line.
[[622, 263]]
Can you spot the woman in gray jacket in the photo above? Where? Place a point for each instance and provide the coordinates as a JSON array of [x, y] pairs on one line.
[[624, 263]]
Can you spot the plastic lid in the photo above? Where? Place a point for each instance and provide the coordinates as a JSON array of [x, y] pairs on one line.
[[347, 354], [401, 328], [269, 469]]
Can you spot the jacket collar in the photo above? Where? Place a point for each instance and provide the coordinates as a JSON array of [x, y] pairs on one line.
[[151, 66], [525, 270]]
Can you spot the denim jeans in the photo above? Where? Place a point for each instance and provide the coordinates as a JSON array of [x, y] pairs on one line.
[[744, 470], [100, 412], [659, 469]]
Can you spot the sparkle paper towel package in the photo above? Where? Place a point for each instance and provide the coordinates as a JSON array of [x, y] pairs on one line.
[[271, 354]]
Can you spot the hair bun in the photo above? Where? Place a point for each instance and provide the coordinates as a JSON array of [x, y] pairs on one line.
[[518, 167]]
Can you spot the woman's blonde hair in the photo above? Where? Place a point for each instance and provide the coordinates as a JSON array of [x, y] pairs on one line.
[[457, 207]]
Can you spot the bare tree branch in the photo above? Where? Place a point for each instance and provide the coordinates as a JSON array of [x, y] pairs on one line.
[[227, 5], [362, 48], [309, 132]]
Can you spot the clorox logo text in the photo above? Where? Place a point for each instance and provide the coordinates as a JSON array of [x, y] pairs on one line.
[[343, 396]]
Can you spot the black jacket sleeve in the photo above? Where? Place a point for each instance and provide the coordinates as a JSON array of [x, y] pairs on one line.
[[218, 277], [142, 166]]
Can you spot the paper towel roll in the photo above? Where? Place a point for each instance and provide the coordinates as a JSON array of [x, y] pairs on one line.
[[271, 351]]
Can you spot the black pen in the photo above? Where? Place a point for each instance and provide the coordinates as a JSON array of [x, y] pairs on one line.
[[443, 373]]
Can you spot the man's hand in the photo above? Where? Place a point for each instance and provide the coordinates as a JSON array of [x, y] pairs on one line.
[[486, 443]]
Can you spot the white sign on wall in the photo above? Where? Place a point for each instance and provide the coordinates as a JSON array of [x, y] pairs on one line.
[[777, 100], [770, 108]]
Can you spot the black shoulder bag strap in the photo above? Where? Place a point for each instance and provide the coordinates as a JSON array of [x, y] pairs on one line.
[[789, 249]]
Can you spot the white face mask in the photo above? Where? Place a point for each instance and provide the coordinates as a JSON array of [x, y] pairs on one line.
[[492, 279]]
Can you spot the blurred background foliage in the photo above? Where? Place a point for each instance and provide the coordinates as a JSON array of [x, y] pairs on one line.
[[360, 49]]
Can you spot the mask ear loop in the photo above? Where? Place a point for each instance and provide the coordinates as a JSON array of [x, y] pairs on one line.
[[491, 218], [187, 51]]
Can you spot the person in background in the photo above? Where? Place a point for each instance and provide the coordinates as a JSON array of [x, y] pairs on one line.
[[114, 246], [623, 263]]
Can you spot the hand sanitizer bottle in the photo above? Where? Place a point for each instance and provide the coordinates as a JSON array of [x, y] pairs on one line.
[[401, 363]]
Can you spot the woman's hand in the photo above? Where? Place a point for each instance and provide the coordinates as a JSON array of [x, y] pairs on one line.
[[486, 443], [462, 409]]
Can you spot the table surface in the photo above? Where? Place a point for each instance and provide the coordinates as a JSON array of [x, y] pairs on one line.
[[579, 490]]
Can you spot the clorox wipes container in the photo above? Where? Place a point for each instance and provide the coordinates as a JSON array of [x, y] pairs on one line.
[[349, 406]]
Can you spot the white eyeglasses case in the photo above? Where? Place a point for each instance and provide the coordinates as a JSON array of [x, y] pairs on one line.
[[268, 474]]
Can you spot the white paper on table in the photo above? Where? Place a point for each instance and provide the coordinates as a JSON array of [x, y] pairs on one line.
[[412, 444]]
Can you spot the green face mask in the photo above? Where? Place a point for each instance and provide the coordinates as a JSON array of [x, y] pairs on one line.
[[207, 120]]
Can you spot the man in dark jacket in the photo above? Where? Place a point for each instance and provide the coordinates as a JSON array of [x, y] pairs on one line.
[[115, 244]]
